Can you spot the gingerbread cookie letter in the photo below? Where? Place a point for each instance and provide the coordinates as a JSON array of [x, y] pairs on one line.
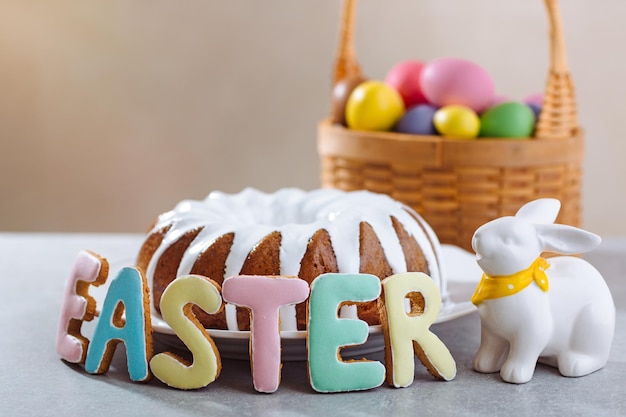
[[176, 309], [407, 333], [264, 296], [78, 305], [128, 294], [327, 334]]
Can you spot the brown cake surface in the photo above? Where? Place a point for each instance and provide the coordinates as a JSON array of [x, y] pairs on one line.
[[290, 233]]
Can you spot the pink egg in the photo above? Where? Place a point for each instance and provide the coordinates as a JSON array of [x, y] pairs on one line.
[[405, 78], [448, 81], [536, 98]]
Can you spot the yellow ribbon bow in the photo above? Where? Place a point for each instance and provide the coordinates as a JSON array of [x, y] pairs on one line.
[[501, 286]]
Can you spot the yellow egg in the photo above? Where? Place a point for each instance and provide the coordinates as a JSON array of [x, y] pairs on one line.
[[373, 105], [458, 122]]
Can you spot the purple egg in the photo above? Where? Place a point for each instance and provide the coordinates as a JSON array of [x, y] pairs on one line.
[[417, 120], [536, 108], [536, 98]]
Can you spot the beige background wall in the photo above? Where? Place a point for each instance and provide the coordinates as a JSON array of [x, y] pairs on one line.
[[112, 111]]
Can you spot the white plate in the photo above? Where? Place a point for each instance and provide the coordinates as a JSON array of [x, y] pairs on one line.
[[461, 270]]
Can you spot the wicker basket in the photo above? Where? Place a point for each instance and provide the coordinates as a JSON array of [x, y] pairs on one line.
[[458, 185]]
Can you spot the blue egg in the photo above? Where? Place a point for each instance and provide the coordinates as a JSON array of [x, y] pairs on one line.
[[417, 120]]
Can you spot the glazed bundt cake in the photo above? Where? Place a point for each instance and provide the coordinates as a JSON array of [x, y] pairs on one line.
[[290, 233]]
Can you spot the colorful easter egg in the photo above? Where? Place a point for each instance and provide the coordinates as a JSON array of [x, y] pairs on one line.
[[341, 91], [447, 81], [405, 78], [373, 105], [536, 98], [508, 120], [536, 108], [418, 120], [458, 122]]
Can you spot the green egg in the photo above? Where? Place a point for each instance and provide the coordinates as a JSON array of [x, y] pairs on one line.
[[508, 120]]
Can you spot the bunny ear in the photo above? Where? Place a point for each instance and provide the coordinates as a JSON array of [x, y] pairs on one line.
[[567, 240], [541, 211]]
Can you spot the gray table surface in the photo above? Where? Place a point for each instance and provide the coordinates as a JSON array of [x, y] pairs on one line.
[[34, 381]]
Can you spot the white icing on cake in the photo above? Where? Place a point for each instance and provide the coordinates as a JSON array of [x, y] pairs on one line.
[[297, 215]]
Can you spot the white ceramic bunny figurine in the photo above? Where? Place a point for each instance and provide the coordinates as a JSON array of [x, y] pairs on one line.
[[557, 311]]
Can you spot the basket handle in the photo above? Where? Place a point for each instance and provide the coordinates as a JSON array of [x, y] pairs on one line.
[[558, 118], [346, 64]]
